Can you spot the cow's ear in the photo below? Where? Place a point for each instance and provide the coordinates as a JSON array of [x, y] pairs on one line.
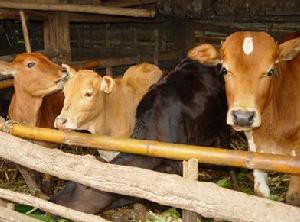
[[107, 84], [289, 49], [206, 54], [69, 70]]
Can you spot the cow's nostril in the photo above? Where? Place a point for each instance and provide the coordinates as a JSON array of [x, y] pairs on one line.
[[243, 118]]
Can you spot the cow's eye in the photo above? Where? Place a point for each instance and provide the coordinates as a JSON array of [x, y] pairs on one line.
[[271, 72], [88, 94], [30, 64], [223, 71]]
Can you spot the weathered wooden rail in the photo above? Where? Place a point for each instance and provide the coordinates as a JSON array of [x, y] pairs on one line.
[[207, 199], [95, 9]]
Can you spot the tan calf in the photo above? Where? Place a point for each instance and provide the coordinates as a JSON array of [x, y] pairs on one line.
[[262, 84], [103, 105]]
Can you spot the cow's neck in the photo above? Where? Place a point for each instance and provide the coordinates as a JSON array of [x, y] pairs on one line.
[[119, 114], [281, 119], [24, 108]]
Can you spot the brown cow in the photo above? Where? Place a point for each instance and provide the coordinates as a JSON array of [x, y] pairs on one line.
[[262, 84], [103, 105], [36, 79]]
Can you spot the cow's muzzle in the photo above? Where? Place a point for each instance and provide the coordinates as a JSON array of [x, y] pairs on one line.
[[243, 119]]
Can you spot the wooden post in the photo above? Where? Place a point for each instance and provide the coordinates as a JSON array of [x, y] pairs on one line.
[[156, 47], [25, 32], [57, 34], [108, 71], [190, 171]]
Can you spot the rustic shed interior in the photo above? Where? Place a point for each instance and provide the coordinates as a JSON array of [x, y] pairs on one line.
[[177, 26]]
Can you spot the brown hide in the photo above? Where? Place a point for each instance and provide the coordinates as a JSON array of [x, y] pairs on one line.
[[248, 60], [36, 79]]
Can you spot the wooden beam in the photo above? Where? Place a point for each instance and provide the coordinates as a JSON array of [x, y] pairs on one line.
[[104, 10], [48, 207], [128, 3], [76, 17], [207, 199]]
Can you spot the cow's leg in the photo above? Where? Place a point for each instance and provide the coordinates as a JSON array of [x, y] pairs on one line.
[[83, 198], [261, 187], [293, 194]]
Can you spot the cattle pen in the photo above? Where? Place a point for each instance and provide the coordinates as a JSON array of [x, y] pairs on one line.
[[111, 37]]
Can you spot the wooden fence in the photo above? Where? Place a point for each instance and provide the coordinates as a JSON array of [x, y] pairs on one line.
[[206, 199]]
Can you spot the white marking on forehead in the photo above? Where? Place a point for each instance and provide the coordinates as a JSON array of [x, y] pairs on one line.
[[248, 45], [294, 153]]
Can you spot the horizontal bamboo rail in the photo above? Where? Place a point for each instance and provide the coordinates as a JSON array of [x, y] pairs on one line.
[[6, 83], [94, 9], [209, 155]]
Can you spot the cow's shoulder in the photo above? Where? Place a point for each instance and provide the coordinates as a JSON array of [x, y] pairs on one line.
[[142, 76]]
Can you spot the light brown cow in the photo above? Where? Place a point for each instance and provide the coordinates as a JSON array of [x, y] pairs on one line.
[[262, 84], [103, 105], [36, 79]]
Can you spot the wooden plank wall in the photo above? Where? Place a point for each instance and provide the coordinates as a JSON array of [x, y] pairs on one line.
[[120, 39], [11, 37]]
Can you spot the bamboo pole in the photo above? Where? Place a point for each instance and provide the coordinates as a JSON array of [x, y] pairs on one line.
[[25, 32], [105, 10], [207, 199], [48, 207], [6, 83], [209, 155]]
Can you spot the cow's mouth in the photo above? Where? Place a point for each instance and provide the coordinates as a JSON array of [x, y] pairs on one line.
[[239, 128], [61, 81]]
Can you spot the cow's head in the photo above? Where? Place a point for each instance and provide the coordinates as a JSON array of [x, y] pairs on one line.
[[249, 65], [34, 74], [84, 99]]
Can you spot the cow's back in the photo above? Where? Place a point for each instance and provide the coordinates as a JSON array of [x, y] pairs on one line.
[[186, 106]]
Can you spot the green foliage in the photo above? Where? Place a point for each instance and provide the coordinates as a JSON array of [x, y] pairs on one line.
[[225, 183], [170, 215], [37, 214]]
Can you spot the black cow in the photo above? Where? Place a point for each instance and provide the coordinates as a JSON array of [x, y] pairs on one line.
[[187, 106]]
